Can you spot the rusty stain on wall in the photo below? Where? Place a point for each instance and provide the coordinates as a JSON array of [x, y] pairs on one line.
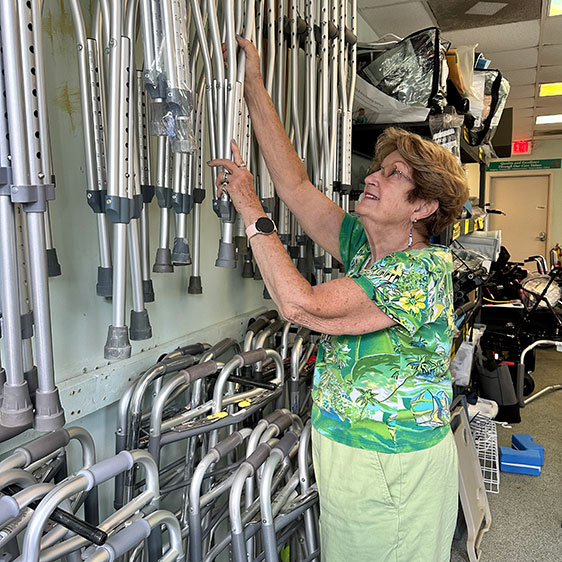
[[67, 100], [59, 27]]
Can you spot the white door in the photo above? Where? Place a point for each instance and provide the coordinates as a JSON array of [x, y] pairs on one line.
[[524, 200]]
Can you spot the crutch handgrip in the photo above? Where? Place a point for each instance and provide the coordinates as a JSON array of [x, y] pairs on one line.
[[273, 416], [200, 371], [44, 445], [107, 469], [228, 444], [276, 326], [350, 37], [286, 444], [258, 457], [251, 357], [126, 539]]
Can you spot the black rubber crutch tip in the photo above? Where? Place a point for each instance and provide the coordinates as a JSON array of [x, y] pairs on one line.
[[195, 287], [53, 265], [148, 290], [104, 286], [140, 325], [163, 261], [117, 345]]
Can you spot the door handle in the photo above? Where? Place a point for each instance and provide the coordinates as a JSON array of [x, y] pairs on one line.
[[542, 236]]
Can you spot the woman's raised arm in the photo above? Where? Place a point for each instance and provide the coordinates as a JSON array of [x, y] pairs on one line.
[[319, 216]]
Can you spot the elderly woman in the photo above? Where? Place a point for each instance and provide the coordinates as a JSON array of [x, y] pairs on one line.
[[384, 455]]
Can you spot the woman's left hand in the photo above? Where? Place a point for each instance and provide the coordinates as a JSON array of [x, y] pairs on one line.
[[238, 182]]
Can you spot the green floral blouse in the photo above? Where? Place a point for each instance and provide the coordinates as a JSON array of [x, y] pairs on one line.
[[390, 390]]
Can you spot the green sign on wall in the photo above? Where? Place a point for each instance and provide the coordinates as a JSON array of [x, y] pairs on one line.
[[518, 165]]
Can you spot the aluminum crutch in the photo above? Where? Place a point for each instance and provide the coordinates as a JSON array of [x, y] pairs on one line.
[[140, 328], [30, 190], [16, 413], [146, 184], [90, 76]]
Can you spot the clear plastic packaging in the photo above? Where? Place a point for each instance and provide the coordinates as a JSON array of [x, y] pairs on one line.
[[413, 71]]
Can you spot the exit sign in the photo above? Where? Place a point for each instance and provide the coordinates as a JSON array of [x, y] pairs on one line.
[[521, 147]]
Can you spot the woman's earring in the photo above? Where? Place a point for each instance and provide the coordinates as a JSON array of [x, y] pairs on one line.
[[411, 235]]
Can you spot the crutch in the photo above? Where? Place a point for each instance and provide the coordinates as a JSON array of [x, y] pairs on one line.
[[140, 328], [16, 413], [146, 185], [30, 190], [117, 345], [92, 97]]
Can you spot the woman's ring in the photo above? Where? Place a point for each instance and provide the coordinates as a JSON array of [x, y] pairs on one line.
[[242, 165]]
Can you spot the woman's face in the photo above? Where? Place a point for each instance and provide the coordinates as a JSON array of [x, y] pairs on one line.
[[385, 197]]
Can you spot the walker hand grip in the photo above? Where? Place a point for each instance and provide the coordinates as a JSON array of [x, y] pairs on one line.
[[251, 357], [286, 443], [273, 416], [107, 469], [284, 421], [258, 325], [127, 538], [259, 456], [229, 444], [45, 445], [9, 508], [303, 333], [270, 314], [222, 347], [276, 326], [200, 371], [178, 363], [193, 349]]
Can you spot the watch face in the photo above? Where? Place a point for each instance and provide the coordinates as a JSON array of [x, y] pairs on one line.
[[265, 225]]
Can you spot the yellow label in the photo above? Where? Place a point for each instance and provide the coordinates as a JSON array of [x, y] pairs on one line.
[[217, 416], [466, 226], [456, 230], [245, 403], [479, 222]]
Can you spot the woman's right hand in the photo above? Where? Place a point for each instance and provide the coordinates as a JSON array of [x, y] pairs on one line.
[[252, 71]]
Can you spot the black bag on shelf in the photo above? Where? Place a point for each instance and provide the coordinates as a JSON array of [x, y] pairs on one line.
[[411, 71], [480, 129]]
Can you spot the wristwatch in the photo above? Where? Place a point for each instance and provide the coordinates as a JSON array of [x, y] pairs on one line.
[[264, 225]]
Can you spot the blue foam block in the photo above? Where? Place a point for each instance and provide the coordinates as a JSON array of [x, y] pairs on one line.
[[524, 441], [520, 462]]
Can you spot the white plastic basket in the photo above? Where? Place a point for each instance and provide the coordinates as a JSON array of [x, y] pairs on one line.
[[486, 441]]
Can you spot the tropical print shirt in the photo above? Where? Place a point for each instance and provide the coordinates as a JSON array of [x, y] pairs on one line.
[[390, 390]]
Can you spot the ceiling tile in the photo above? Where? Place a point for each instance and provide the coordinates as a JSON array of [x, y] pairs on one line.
[[524, 133], [551, 54], [509, 60], [552, 30], [520, 103], [550, 74], [400, 19], [521, 91], [454, 16], [494, 38], [553, 102], [522, 113], [549, 110], [521, 77], [366, 4]]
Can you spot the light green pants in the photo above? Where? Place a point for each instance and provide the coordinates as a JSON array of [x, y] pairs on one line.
[[379, 507]]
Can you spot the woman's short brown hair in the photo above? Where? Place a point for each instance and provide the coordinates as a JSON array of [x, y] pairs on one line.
[[437, 175]]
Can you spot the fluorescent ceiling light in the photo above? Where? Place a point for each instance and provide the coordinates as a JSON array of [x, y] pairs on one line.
[[486, 8], [555, 8], [549, 119], [552, 89]]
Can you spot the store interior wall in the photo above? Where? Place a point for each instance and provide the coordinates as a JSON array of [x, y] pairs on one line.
[[79, 317]]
